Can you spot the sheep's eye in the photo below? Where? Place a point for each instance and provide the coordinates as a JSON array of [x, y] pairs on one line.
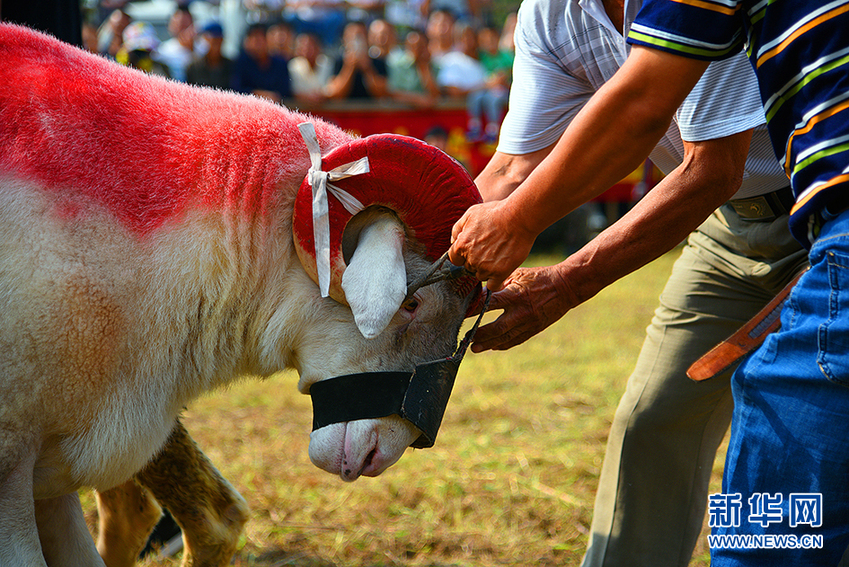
[[410, 305]]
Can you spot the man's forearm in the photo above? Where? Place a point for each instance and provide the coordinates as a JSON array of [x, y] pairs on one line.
[[711, 173], [609, 138], [537, 297], [503, 173]]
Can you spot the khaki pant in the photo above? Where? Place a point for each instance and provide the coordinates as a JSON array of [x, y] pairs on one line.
[[652, 492]]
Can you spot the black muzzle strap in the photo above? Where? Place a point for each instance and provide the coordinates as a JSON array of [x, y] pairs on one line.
[[419, 397]]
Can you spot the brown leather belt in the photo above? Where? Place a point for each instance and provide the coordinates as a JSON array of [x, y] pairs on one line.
[[764, 207], [750, 336]]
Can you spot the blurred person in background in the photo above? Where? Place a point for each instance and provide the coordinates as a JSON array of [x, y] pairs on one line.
[[138, 49], [258, 72], [89, 37], [382, 40], [437, 137], [356, 75], [310, 69], [110, 34], [506, 42], [365, 10], [281, 40], [211, 69], [466, 11], [412, 77], [177, 52], [460, 71], [490, 101], [440, 34]]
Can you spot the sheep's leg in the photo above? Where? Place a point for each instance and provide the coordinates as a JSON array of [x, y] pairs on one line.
[[65, 539], [208, 509], [126, 515], [19, 543]]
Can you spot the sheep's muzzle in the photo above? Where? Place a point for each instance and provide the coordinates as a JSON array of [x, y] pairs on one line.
[[420, 397]]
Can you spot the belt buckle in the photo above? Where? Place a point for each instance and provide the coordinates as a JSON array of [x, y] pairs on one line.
[[753, 208]]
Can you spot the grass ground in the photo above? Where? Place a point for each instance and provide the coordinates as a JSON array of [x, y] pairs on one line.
[[511, 480]]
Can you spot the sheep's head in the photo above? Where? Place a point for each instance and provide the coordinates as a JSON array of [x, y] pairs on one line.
[[405, 207]]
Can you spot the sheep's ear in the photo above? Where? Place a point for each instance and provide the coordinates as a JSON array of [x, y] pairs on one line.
[[375, 281]]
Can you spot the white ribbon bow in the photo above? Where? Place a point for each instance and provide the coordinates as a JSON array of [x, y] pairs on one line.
[[320, 182]]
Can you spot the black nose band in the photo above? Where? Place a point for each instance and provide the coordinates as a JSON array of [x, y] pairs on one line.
[[419, 397]]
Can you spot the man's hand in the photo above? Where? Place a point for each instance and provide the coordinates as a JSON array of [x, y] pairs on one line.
[[533, 299], [489, 243]]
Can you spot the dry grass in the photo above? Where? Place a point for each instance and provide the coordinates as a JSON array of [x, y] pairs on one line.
[[511, 479]]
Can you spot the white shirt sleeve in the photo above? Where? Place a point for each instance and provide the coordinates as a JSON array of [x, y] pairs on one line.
[[724, 102], [544, 96]]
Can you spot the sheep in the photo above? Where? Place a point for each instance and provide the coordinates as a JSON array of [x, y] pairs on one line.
[[161, 240]]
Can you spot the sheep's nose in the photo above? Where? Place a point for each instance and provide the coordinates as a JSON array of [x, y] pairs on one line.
[[372, 465]]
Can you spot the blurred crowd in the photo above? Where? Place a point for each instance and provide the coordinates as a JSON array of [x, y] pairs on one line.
[[415, 52]]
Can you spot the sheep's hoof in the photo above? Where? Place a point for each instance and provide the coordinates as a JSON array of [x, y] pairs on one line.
[[208, 509]]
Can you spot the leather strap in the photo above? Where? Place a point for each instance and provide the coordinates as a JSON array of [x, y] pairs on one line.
[[750, 336]]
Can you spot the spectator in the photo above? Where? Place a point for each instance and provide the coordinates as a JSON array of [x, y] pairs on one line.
[[382, 40], [437, 137], [490, 101], [440, 34], [258, 72], [281, 40], [460, 72], [110, 35], [177, 52], [138, 49], [211, 69], [310, 69], [411, 74], [466, 11], [356, 75]]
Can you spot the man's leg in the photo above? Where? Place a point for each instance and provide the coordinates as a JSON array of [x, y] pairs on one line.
[[788, 457], [652, 492]]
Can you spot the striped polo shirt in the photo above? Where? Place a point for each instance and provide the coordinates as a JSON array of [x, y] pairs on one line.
[[567, 49], [800, 53]]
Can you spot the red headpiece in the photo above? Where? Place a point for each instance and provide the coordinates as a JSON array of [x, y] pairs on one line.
[[428, 191]]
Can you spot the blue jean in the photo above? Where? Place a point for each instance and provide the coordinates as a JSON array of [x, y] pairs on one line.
[[791, 416]]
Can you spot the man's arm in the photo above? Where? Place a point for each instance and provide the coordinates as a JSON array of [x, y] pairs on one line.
[[535, 298], [505, 172], [607, 140]]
